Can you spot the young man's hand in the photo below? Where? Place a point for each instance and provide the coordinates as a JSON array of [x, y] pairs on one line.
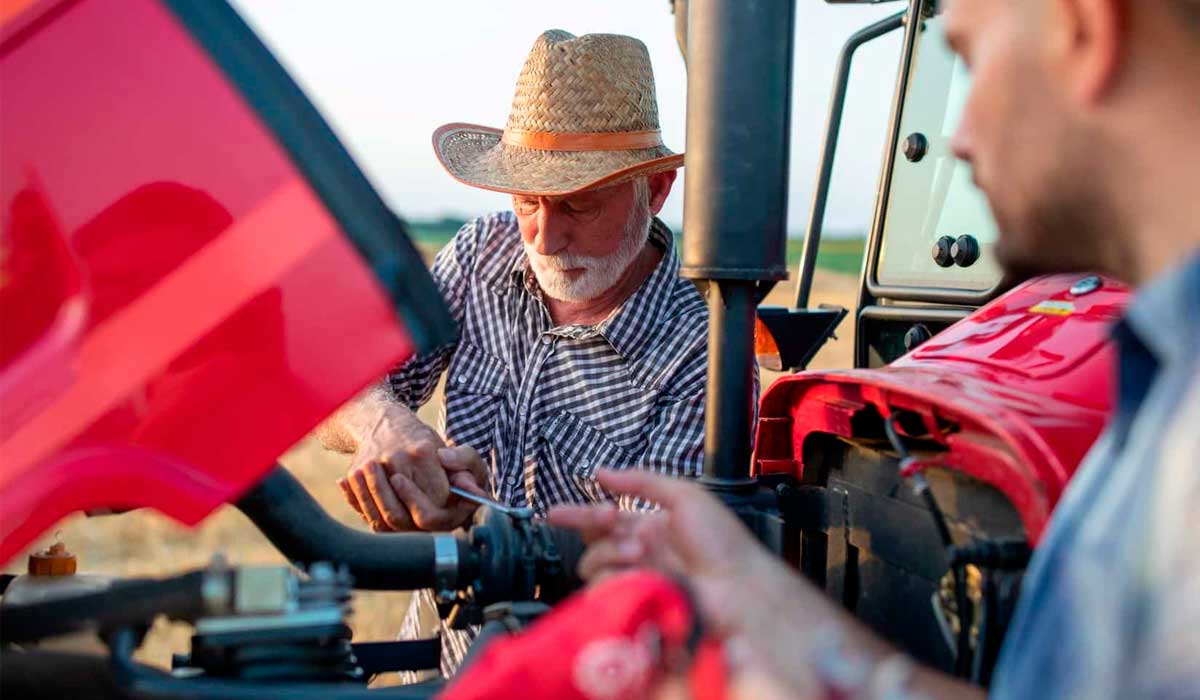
[[693, 535], [774, 624]]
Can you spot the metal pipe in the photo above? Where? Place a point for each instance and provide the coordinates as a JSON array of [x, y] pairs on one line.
[[729, 402], [735, 200], [738, 112], [131, 602], [833, 128]]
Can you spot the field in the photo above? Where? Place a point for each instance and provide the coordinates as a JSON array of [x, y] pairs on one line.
[[840, 254], [143, 543]]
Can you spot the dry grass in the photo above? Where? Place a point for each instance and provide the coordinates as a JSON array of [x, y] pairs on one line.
[[143, 543]]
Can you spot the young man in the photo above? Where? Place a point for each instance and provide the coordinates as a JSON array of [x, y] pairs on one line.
[[1083, 129]]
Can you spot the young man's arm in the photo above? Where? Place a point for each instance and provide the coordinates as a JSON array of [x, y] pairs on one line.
[[778, 628]]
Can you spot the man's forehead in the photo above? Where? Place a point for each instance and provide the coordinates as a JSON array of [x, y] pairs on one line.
[[966, 18], [964, 14]]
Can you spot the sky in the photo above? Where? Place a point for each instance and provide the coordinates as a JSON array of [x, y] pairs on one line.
[[386, 73]]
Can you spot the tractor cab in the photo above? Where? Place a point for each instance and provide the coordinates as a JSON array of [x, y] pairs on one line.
[[930, 259]]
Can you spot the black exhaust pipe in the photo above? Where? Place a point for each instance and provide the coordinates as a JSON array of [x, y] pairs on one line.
[[735, 201]]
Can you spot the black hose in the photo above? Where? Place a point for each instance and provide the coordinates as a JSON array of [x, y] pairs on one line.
[[920, 483], [130, 602], [297, 525]]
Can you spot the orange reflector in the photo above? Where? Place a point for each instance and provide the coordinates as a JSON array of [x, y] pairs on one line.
[[764, 342], [765, 347]]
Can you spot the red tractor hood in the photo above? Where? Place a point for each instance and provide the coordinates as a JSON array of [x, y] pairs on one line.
[[184, 295], [1013, 395]]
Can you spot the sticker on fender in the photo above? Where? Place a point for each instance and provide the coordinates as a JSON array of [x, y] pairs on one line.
[[1051, 307]]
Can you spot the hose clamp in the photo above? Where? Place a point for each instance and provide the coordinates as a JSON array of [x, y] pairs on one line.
[[445, 565]]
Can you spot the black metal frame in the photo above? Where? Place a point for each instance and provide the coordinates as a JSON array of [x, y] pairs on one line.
[[913, 314], [833, 128], [872, 288]]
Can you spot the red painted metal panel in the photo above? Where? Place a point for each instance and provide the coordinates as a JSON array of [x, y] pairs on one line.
[[1026, 381], [179, 308]]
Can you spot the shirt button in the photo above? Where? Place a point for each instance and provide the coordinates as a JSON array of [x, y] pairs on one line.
[[546, 340], [460, 380]]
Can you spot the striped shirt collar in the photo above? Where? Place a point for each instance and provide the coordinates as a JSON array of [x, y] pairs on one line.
[[626, 327]]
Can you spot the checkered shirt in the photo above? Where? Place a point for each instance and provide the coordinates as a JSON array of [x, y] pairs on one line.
[[546, 405]]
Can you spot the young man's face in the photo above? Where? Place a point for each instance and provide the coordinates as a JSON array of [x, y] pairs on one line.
[[1020, 131]]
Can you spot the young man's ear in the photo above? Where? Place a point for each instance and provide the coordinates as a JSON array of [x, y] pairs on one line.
[[1093, 40], [660, 187]]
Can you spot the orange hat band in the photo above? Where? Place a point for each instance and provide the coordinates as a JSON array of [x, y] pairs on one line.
[[598, 141]]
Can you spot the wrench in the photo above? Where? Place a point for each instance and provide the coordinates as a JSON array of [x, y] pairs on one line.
[[521, 513]]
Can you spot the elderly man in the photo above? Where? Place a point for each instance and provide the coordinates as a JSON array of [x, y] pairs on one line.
[[1083, 128], [579, 345]]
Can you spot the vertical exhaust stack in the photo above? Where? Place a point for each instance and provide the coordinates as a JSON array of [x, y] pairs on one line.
[[735, 201]]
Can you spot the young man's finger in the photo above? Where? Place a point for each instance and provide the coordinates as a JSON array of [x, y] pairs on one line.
[[590, 521], [665, 491], [607, 555]]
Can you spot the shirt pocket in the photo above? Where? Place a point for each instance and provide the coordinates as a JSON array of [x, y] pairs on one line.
[[577, 449], [475, 388]]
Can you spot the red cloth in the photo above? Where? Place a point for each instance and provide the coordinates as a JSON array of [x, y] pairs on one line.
[[618, 639]]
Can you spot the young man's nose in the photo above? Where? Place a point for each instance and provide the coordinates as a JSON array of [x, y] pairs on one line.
[[961, 141]]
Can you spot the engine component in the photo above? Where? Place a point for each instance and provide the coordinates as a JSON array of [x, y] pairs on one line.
[[285, 627], [55, 560]]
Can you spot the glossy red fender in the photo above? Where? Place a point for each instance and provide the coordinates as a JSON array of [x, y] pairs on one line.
[[1026, 382], [179, 306]]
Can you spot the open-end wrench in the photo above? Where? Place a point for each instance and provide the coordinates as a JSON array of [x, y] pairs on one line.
[[521, 513]]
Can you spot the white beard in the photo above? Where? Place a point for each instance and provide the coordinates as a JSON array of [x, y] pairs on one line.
[[600, 273]]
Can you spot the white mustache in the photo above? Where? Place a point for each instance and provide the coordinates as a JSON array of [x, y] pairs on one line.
[[560, 262]]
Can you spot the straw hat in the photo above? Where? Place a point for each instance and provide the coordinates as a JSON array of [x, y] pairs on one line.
[[584, 116]]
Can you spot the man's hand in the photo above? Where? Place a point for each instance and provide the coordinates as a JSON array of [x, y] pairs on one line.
[[694, 535], [774, 623], [401, 475]]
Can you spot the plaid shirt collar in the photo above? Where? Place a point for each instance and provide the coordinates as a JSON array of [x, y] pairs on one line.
[[626, 327]]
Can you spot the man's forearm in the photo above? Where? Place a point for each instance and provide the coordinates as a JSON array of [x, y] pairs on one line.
[[790, 605], [346, 429]]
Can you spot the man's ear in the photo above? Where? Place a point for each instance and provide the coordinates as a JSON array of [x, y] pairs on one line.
[[1093, 40], [660, 187]]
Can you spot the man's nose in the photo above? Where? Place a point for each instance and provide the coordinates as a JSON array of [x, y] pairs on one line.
[[552, 230], [961, 140]]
